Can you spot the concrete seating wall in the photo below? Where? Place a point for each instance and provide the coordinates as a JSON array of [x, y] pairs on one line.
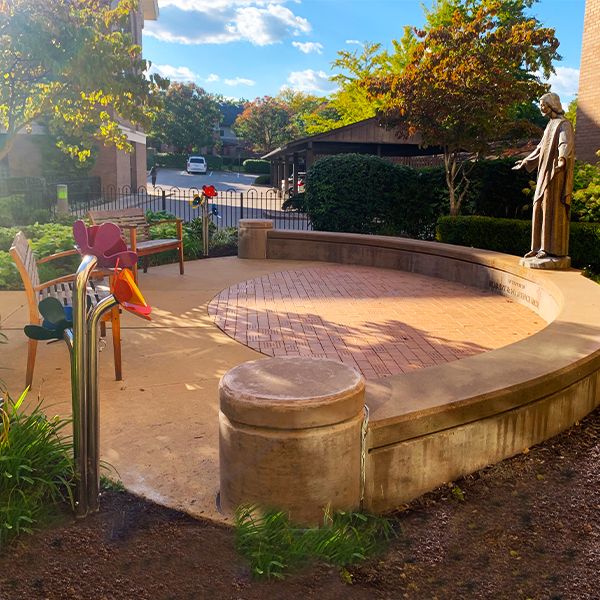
[[435, 425]]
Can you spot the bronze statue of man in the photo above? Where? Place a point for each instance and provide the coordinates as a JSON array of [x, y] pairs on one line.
[[554, 158]]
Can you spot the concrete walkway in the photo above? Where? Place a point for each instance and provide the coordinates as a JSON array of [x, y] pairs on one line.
[[159, 427]]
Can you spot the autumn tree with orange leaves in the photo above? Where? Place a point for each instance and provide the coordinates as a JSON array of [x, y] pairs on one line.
[[472, 64]]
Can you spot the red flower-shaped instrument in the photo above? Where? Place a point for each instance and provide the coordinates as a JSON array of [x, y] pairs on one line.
[[128, 295]]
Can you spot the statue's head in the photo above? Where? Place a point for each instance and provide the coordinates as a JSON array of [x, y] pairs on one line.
[[550, 102]]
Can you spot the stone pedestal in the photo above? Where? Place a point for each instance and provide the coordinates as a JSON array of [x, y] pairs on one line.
[[252, 237], [290, 436], [551, 263]]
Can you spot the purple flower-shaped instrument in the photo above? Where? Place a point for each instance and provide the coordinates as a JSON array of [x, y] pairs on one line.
[[105, 243]]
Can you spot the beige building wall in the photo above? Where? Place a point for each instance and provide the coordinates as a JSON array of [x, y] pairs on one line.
[[24, 158], [587, 135]]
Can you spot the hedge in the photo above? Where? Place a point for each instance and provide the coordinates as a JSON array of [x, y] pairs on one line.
[[262, 180], [179, 161], [256, 166], [513, 236], [358, 193]]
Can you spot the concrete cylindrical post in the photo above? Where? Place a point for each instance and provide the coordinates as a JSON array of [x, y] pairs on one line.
[[252, 237], [62, 199], [290, 436]]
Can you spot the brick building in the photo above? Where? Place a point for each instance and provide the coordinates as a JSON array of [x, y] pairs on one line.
[[587, 134], [114, 167]]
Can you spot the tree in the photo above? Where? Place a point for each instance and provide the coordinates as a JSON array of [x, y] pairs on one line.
[[571, 113], [188, 117], [72, 66], [466, 74], [300, 106], [265, 124], [351, 102]]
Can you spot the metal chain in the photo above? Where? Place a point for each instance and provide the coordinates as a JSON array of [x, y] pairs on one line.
[[363, 455]]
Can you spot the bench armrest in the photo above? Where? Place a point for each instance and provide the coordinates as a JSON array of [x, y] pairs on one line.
[[56, 256]]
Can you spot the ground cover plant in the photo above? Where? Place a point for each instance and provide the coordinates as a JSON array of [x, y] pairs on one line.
[[524, 528], [36, 468], [273, 545]]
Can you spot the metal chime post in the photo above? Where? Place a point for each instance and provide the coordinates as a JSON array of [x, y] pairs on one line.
[[93, 421], [205, 226], [78, 381]]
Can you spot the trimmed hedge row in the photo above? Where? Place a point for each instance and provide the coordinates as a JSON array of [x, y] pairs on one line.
[[257, 166], [513, 236]]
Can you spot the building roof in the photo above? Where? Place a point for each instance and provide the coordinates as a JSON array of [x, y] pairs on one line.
[[230, 113], [367, 137]]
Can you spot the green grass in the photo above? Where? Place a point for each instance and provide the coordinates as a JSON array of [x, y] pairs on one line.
[[36, 468], [274, 546]]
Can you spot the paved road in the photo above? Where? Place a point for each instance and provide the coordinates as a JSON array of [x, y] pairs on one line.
[[222, 180]]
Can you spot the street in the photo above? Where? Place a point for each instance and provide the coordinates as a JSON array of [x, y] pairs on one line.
[[222, 180]]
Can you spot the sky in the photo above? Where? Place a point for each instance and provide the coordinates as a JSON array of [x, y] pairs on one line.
[[251, 48]]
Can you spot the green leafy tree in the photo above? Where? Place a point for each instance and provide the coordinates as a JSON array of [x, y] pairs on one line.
[[571, 113], [300, 106], [72, 66], [265, 124], [188, 117], [466, 75]]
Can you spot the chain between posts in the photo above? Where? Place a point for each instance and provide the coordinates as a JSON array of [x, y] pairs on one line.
[[363, 455]]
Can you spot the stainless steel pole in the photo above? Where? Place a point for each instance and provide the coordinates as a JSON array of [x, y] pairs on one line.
[[205, 227], [93, 413], [78, 381]]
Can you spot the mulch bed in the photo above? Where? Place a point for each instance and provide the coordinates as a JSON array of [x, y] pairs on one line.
[[526, 528]]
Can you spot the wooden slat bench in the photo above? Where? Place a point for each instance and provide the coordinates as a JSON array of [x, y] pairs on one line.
[[62, 289], [135, 230]]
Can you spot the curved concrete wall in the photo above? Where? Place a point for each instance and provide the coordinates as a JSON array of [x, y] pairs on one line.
[[440, 423]]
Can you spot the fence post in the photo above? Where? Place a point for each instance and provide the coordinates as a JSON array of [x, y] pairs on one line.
[[241, 205], [164, 200]]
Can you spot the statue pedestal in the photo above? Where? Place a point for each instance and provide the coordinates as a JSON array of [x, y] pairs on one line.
[[550, 263]]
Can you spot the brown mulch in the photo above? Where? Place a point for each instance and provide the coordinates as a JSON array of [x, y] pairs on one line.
[[526, 528]]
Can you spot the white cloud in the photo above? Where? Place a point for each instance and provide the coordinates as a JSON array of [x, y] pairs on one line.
[[260, 22], [308, 47], [565, 83], [310, 80], [174, 73], [356, 42], [212, 77], [239, 81]]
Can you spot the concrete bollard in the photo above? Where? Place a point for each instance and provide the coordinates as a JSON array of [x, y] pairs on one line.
[[290, 436], [252, 237]]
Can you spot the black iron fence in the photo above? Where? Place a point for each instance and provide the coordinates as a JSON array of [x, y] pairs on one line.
[[226, 209]]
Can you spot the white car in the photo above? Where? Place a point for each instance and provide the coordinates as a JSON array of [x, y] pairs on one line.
[[196, 164]]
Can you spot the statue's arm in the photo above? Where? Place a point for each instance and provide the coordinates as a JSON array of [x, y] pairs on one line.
[[530, 162], [566, 144]]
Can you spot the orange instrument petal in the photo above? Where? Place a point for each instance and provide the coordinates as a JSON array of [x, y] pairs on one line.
[[128, 295]]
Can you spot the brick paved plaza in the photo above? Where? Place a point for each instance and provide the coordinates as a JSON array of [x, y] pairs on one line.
[[380, 321]]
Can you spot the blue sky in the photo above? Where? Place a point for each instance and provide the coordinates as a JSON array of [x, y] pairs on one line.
[[251, 48]]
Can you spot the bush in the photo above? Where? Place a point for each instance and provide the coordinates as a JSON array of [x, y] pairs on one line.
[[358, 193], [214, 163], [263, 180], [513, 236], [171, 160], [16, 210], [36, 465], [46, 239], [257, 166]]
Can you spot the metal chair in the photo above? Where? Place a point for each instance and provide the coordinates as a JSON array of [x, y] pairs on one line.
[[62, 289]]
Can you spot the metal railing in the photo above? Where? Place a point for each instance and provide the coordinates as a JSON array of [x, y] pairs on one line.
[[227, 208]]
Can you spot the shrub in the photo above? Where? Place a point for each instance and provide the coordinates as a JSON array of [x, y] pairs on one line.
[[16, 210], [263, 180], [46, 239], [214, 163], [513, 236], [171, 160], [36, 465], [257, 166], [365, 194]]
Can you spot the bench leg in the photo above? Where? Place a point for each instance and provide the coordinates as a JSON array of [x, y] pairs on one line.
[[145, 263], [31, 350], [180, 259], [115, 319]]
